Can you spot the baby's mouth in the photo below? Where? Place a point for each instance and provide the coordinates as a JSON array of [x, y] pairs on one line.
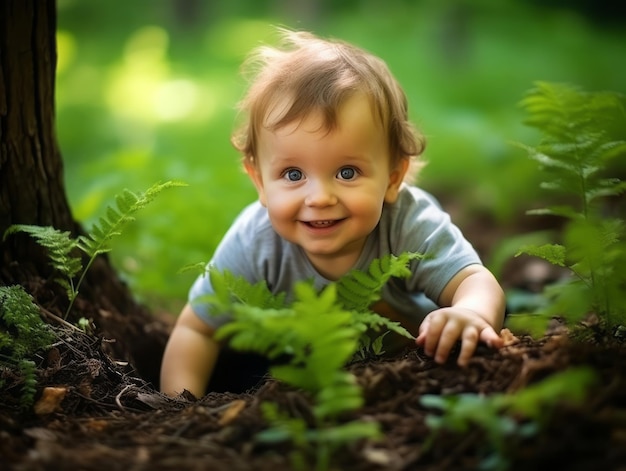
[[323, 223]]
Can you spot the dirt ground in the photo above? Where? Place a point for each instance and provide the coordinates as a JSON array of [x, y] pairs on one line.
[[93, 414]]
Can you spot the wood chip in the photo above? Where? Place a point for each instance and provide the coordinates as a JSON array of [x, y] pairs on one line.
[[232, 412]]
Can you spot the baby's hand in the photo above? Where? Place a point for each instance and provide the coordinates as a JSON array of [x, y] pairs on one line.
[[441, 329]]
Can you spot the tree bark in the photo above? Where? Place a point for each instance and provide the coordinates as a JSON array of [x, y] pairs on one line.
[[32, 191], [31, 181]]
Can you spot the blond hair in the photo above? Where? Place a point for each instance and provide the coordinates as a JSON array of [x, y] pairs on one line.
[[307, 74]]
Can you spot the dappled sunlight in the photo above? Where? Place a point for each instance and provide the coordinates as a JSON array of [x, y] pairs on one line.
[[66, 50], [143, 87], [134, 83], [175, 99]]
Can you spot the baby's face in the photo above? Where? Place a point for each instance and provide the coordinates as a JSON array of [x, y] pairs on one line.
[[324, 191]]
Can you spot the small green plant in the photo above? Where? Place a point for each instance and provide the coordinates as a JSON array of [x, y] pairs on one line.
[[320, 332], [64, 251], [358, 290], [583, 135], [318, 442], [505, 417], [22, 334]]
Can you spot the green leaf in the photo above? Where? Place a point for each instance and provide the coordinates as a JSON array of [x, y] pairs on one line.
[[117, 217], [553, 253], [60, 247]]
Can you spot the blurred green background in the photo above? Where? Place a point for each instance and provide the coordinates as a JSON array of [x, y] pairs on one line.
[[146, 92]]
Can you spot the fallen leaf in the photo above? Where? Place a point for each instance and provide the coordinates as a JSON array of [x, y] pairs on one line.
[[376, 456], [231, 413], [97, 425], [508, 337], [50, 400]]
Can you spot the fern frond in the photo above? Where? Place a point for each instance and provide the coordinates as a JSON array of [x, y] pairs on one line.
[[22, 334], [553, 253], [557, 210], [368, 320], [319, 331], [341, 395], [97, 241], [229, 289], [606, 187], [358, 290], [582, 133], [264, 331], [20, 319], [577, 140], [29, 388], [59, 246]]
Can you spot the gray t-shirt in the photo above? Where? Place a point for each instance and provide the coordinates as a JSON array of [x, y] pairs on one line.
[[414, 223]]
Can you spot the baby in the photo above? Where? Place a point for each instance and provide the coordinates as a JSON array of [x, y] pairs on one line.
[[328, 145]]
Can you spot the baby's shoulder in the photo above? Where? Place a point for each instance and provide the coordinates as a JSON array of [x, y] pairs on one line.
[[252, 217], [413, 196], [253, 225], [414, 205]]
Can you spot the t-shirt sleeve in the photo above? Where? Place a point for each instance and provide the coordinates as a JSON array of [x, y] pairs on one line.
[[425, 228], [232, 254]]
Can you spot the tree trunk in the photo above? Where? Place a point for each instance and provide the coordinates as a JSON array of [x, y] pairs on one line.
[[32, 191]]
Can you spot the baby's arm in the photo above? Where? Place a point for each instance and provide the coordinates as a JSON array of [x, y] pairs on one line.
[[474, 312], [189, 357]]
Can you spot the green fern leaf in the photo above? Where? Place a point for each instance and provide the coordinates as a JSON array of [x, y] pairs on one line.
[[354, 295], [368, 320], [367, 280], [577, 142], [25, 331], [29, 389], [97, 241], [564, 211], [606, 187], [358, 290], [376, 269], [553, 253], [229, 289], [318, 332], [126, 201], [60, 247], [582, 133]]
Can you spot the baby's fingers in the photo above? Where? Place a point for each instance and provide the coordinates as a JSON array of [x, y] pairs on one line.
[[429, 335], [423, 333], [449, 336], [469, 340], [491, 338]]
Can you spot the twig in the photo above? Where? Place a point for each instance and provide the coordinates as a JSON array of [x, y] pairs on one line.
[[57, 319], [117, 398]]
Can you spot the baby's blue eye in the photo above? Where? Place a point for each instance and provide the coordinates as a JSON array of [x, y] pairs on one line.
[[347, 173], [293, 175]]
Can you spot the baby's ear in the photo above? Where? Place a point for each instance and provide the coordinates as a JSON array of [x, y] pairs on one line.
[[254, 173], [396, 177]]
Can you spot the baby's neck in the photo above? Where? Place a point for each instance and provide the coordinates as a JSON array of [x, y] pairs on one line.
[[333, 267]]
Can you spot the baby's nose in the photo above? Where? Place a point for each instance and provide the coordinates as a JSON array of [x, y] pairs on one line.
[[320, 194]]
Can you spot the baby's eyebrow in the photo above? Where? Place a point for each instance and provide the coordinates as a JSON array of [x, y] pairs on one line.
[[285, 160], [361, 159]]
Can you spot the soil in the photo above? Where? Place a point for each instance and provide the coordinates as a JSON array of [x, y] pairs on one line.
[[91, 413], [94, 413]]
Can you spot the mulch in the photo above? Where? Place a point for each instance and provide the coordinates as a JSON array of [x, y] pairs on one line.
[[92, 413]]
